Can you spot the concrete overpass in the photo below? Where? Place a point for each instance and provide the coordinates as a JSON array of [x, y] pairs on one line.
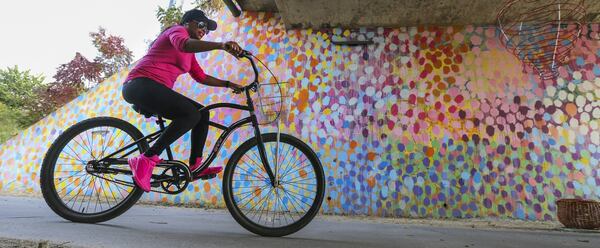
[[386, 13]]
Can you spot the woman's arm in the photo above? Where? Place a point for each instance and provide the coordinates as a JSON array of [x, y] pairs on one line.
[[215, 82], [196, 46]]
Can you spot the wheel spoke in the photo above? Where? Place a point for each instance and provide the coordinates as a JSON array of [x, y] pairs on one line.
[[90, 193], [275, 207]]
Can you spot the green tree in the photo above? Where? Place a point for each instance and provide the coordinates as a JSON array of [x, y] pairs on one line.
[[172, 15], [210, 7], [19, 93], [17, 88], [169, 16], [9, 125]]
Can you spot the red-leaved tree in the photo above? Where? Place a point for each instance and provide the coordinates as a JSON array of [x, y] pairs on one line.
[[80, 73], [114, 55]]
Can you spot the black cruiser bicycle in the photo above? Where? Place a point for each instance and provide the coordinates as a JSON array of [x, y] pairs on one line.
[[273, 183]]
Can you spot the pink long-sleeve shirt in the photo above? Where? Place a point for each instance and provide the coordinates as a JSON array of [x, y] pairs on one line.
[[166, 59]]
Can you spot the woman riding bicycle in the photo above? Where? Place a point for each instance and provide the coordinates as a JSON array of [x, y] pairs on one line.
[[149, 87]]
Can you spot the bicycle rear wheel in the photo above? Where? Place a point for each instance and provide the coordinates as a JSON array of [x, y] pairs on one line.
[[78, 194], [269, 210]]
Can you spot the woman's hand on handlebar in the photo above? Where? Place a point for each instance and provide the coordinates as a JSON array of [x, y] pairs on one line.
[[235, 87], [233, 48]]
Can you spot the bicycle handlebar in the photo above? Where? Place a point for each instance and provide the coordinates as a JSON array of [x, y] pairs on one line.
[[252, 86]]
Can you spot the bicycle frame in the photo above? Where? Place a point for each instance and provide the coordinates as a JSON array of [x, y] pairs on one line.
[[227, 130]]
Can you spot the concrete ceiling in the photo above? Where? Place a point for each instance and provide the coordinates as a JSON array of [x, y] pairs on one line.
[[388, 13]]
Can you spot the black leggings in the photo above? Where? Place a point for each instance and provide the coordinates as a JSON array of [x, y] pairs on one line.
[[159, 99]]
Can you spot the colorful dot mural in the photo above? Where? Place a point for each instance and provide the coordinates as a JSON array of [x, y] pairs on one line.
[[435, 122]]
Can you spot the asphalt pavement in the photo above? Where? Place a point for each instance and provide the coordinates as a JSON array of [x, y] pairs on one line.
[[27, 218]]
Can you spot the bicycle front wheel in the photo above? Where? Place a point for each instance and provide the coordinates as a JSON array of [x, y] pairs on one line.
[[78, 194], [278, 210]]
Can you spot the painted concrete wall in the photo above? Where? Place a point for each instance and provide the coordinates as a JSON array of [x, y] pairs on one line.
[[428, 122]]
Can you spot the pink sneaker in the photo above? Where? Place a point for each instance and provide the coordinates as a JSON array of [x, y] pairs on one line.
[[141, 167], [207, 171]]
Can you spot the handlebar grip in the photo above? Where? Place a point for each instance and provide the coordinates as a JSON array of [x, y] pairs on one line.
[[245, 53]]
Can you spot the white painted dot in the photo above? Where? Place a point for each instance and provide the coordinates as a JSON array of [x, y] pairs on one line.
[[580, 101], [590, 96], [595, 137], [571, 136], [585, 117], [334, 107], [562, 95], [558, 116], [550, 91], [547, 101], [317, 106], [387, 89], [574, 123], [352, 101], [379, 104], [596, 113], [560, 81], [588, 108], [586, 86], [381, 79], [571, 87], [583, 130], [404, 59], [558, 103], [570, 97], [370, 91], [577, 75]]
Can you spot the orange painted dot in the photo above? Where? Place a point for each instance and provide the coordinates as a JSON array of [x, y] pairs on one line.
[[451, 80], [571, 109], [353, 144], [447, 98], [429, 152], [257, 191], [371, 156], [302, 173], [371, 181], [303, 100], [206, 187]]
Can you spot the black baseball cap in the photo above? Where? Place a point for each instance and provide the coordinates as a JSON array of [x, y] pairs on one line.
[[199, 16]]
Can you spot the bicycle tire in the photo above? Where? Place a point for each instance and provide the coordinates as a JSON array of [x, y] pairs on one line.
[[247, 222], [47, 177]]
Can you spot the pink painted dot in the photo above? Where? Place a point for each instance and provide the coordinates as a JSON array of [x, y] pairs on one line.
[[511, 118], [395, 110], [485, 107], [494, 112], [459, 99], [452, 109], [476, 40], [390, 125]]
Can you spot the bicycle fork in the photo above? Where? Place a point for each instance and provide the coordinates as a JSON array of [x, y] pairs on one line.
[[262, 152]]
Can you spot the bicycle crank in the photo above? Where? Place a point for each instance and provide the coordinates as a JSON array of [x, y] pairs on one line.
[[174, 179]]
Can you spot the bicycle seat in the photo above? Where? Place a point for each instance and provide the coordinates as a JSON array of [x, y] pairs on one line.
[[144, 112]]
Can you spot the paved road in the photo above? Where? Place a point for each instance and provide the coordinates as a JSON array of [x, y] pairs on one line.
[[150, 226]]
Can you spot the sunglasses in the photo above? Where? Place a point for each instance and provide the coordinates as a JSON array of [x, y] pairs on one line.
[[203, 27]]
